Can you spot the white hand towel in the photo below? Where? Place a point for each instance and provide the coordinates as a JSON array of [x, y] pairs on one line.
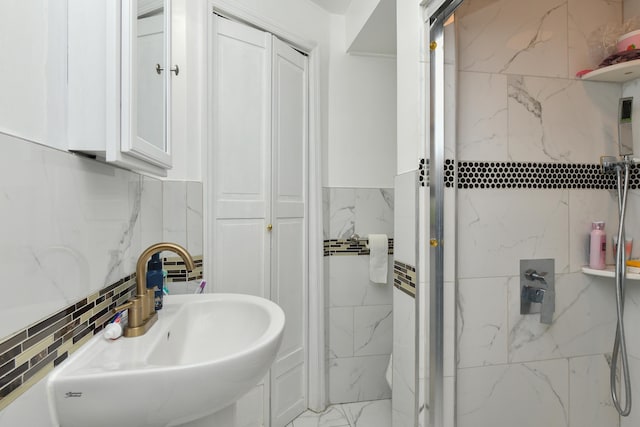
[[378, 257]]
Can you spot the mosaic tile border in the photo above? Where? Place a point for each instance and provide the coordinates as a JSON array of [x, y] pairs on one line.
[[525, 175], [30, 354], [177, 272], [404, 278], [529, 175], [341, 247]]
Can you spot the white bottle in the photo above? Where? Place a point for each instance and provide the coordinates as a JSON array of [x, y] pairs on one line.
[[598, 246]]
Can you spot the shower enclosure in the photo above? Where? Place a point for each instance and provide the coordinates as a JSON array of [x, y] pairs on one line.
[[514, 142]]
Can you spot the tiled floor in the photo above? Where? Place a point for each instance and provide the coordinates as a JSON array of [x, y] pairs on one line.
[[376, 413]]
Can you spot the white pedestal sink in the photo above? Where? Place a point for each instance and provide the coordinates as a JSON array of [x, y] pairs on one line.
[[204, 353]]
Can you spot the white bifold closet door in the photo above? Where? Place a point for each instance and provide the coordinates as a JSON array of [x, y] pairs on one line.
[[260, 188]]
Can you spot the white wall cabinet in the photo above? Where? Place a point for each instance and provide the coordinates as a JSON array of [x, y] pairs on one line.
[[119, 82]]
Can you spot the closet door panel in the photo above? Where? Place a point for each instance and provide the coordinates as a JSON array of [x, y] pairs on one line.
[[242, 157], [289, 264]]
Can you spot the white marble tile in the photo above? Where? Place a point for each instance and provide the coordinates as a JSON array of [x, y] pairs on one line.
[[449, 329], [373, 330], [631, 318], [523, 395], [374, 211], [70, 226], [482, 117], [376, 413], [449, 402], [561, 120], [634, 417], [174, 209], [498, 228], [194, 208], [404, 227], [358, 378], [349, 283], [450, 109], [449, 235], [503, 36], [590, 398], [325, 213], [333, 416], [151, 212], [482, 321], [403, 359], [583, 322], [342, 207], [341, 335], [585, 16]]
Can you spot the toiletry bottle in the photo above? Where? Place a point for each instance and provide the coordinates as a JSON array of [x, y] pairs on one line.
[[155, 278], [597, 246]]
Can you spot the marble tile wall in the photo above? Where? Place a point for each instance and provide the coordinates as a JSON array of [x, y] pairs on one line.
[[404, 373], [520, 102], [359, 312], [72, 226]]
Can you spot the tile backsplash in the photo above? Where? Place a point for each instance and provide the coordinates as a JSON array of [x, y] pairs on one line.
[[72, 230]]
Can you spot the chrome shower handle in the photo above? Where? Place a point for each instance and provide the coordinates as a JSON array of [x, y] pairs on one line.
[[534, 276]]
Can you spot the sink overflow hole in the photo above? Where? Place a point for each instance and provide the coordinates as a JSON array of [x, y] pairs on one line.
[[168, 335]]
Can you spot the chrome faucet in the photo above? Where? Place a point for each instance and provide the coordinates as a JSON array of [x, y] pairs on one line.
[[537, 292], [142, 311]]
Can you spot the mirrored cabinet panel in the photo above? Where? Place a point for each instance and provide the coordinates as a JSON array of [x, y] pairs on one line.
[[123, 46]]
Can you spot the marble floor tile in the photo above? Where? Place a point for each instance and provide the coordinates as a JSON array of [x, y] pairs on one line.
[[375, 413]]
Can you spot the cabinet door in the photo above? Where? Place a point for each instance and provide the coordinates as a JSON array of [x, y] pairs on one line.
[[146, 82], [289, 249]]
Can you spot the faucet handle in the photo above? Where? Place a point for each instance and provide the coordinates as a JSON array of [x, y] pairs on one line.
[[124, 306], [135, 307], [533, 276]]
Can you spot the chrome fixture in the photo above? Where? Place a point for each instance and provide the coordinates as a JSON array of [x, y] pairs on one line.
[[142, 311], [621, 169], [354, 239], [537, 288]]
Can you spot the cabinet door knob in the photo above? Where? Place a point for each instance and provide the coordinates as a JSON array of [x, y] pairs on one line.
[[175, 69], [269, 227]]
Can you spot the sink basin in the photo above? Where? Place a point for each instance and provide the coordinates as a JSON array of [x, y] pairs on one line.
[[204, 353]]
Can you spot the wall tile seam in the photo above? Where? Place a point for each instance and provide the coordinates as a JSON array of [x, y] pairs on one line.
[[528, 361], [35, 350]]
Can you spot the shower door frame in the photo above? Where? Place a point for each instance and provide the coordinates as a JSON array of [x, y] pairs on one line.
[[436, 18]]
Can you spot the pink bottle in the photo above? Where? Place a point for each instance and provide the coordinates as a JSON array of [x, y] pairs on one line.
[[598, 246]]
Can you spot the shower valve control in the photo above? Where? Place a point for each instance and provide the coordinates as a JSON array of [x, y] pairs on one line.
[[537, 288]]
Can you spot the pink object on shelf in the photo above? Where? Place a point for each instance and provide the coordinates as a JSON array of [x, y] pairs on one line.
[[598, 246], [628, 41], [583, 72]]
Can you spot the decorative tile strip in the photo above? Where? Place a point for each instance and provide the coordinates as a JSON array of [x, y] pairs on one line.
[[423, 172], [177, 272], [527, 175], [404, 277], [334, 247], [30, 354]]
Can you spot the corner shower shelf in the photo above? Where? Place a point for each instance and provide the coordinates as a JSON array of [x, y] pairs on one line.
[[618, 73], [609, 272]]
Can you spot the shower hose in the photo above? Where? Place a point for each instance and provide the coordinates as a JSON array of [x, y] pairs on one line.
[[619, 345]]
